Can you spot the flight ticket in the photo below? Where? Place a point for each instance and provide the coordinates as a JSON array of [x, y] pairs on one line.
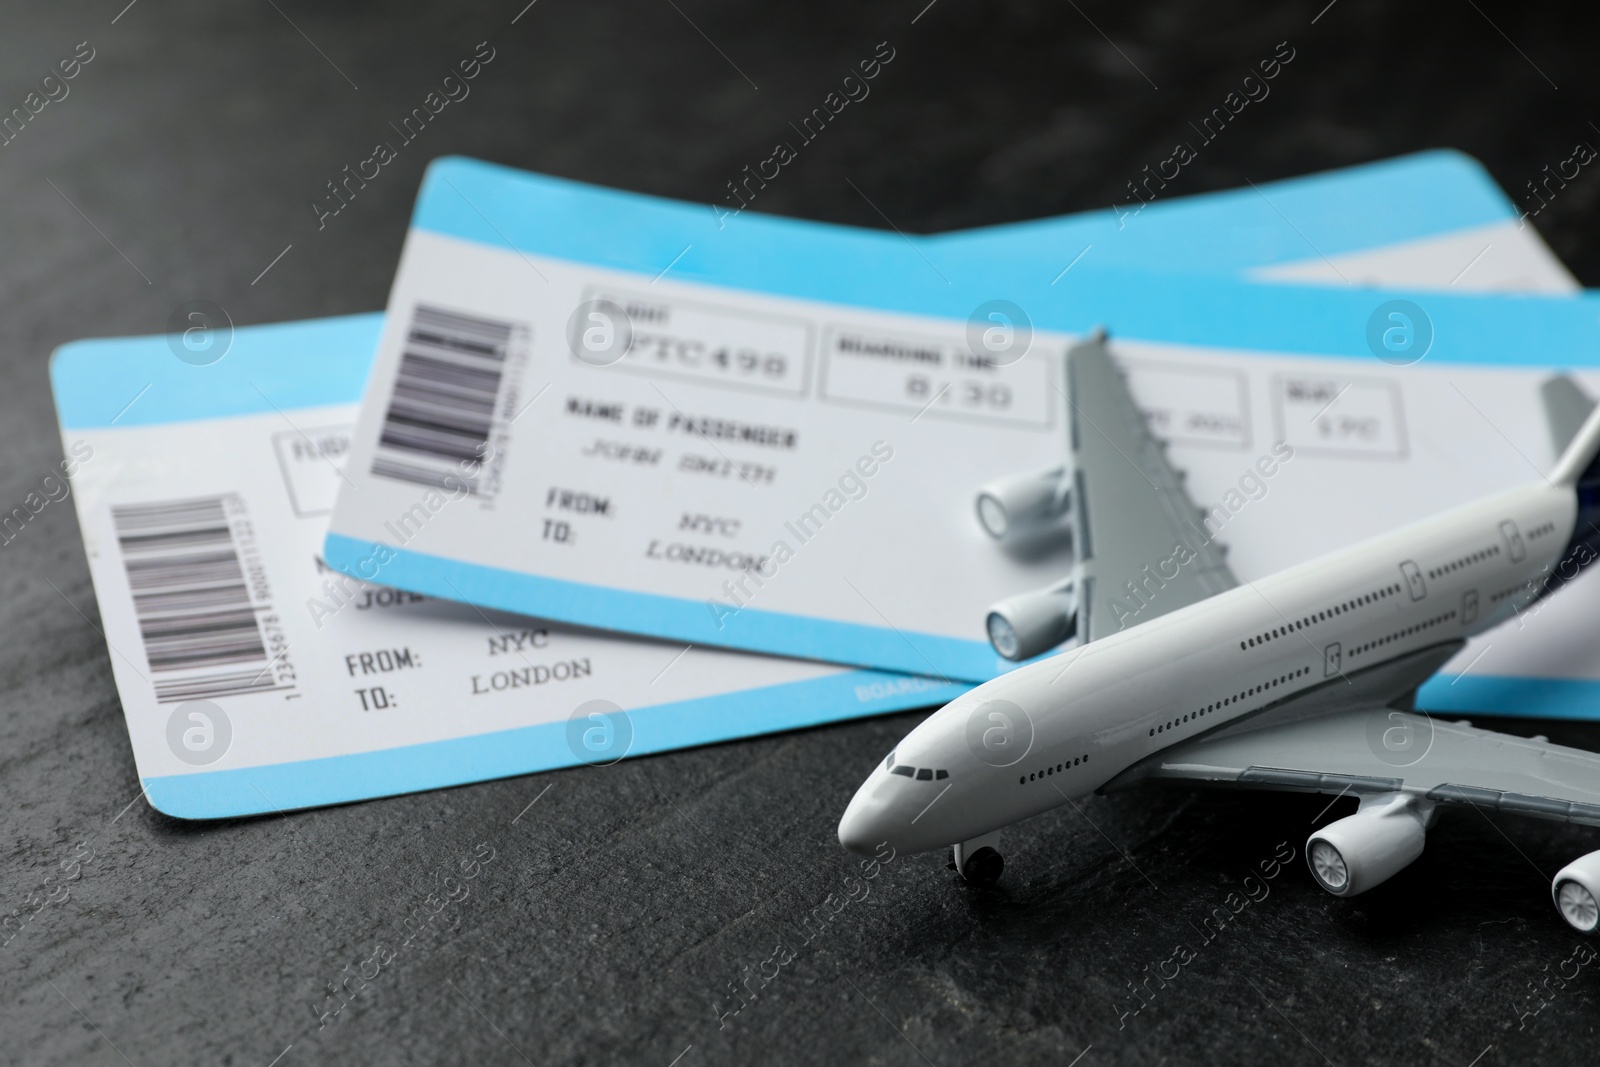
[[770, 440], [255, 678]]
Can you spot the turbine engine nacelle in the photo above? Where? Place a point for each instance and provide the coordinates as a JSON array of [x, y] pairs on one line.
[[1360, 851], [1576, 889], [1014, 507], [1027, 624]]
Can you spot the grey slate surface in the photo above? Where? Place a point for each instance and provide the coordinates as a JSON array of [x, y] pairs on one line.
[[620, 908]]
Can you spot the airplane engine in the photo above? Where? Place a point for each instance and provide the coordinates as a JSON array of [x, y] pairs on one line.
[[1360, 851], [1576, 889], [1024, 503], [1027, 624]]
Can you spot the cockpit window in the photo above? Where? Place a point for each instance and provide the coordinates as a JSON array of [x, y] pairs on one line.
[[921, 774]]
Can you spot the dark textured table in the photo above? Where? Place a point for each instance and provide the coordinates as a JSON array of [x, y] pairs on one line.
[[619, 916]]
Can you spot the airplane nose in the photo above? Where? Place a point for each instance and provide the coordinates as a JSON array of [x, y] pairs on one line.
[[857, 830]]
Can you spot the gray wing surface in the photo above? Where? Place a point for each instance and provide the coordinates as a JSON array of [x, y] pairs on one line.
[[1566, 405], [1133, 520], [1382, 750]]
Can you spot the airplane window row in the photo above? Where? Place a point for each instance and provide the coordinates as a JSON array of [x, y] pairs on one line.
[[1541, 530], [1407, 632], [1226, 701], [1519, 587], [1060, 768], [1321, 616], [1467, 561], [921, 774]]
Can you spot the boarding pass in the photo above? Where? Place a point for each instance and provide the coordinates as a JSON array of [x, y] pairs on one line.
[[255, 678], [580, 412]]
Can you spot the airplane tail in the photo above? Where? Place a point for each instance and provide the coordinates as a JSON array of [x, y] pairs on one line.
[[1578, 460]]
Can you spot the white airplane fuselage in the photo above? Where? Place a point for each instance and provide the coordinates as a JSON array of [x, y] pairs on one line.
[[1076, 720]]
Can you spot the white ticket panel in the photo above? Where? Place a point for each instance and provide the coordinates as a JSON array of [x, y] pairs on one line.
[[774, 444]]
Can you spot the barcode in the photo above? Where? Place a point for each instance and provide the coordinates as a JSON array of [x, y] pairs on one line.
[[442, 409], [191, 599]]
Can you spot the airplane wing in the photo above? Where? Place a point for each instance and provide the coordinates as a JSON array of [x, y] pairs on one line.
[[1142, 547], [1376, 750], [1566, 405]]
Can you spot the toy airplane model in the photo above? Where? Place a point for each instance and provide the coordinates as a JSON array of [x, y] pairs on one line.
[[1300, 681]]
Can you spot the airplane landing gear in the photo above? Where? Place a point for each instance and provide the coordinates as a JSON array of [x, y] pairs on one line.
[[978, 861]]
